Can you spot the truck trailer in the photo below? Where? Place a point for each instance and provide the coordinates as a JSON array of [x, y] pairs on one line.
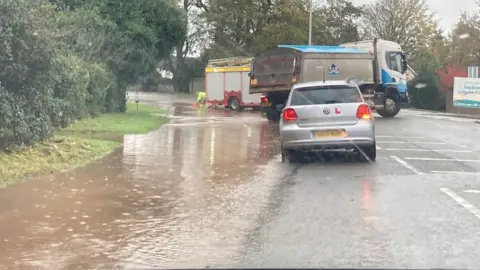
[[378, 65]]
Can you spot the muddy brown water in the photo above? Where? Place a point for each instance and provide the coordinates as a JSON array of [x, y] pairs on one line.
[[182, 196]]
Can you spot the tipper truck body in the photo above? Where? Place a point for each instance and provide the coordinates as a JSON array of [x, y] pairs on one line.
[[378, 65]]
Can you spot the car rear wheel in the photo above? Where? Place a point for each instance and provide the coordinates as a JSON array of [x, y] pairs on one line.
[[368, 153], [272, 114]]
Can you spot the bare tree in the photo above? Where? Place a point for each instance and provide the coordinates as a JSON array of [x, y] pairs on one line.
[[407, 22]]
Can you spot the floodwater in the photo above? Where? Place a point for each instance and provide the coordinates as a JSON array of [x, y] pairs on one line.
[[186, 195]]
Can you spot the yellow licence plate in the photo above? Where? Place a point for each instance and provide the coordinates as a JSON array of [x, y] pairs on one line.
[[268, 104], [330, 133]]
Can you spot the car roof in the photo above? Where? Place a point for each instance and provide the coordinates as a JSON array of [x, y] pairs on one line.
[[320, 83]]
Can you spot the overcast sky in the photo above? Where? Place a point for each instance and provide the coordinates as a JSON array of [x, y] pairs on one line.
[[447, 11]]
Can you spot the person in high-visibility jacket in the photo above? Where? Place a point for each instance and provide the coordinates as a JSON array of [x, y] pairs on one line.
[[201, 98]]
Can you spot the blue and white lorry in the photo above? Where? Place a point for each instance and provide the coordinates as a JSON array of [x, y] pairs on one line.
[[379, 65]]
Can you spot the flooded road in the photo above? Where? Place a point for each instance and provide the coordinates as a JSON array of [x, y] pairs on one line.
[[208, 189], [182, 196]]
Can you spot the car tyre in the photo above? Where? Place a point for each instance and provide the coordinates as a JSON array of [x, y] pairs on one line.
[[369, 152], [272, 114]]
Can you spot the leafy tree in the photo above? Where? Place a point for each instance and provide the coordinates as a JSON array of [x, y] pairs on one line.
[[440, 48], [75, 58], [187, 45], [336, 22], [147, 30], [86, 33], [465, 40], [407, 22], [242, 28], [131, 36]]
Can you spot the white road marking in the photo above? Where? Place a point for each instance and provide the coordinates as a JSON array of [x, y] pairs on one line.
[[470, 207], [399, 137], [398, 142], [472, 191], [428, 150], [452, 143], [407, 165], [378, 147], [456, 172], [444, 159]]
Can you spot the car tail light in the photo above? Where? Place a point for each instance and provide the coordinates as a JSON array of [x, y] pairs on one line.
[[289, 114], [264, 100], [363, 112]]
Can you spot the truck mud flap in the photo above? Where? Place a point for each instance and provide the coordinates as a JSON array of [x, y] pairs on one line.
[[379, 99], [370, 101]]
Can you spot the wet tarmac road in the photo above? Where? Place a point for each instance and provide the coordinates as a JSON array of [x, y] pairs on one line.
[[208, 189]]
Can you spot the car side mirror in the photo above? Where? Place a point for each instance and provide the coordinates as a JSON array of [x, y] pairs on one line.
[[405, 65]]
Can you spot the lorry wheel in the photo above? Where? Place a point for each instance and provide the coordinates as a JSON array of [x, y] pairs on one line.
[[272, 114], [234, 104], [390, 109]]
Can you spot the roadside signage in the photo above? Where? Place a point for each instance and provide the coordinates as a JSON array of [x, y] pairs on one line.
[[466, 92]]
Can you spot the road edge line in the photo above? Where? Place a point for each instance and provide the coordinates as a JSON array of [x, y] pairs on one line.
[[460, 200], [454, 144], [444, 159], [406, 165], [455, 172]]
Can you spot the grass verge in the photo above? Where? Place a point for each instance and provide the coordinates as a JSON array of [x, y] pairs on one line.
[[53, 155], [72, 146], [130, 122]]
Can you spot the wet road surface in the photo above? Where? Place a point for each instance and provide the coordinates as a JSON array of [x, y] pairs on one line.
[[208, 189]]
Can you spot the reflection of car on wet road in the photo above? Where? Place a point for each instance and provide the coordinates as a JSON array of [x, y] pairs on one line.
[[324, 116]]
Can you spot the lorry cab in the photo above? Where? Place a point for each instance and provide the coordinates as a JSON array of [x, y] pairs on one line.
[[391, 65]]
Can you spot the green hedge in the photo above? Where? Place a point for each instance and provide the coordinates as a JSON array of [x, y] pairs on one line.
[[63, 60], [424, 92], [42, 86]]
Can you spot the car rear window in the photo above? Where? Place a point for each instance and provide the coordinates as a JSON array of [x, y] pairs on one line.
[[325, 95]]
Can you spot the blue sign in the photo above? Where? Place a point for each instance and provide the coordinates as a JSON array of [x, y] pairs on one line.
[[333, 71]]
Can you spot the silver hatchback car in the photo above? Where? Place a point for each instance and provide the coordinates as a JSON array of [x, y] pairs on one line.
[[326, 115]]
